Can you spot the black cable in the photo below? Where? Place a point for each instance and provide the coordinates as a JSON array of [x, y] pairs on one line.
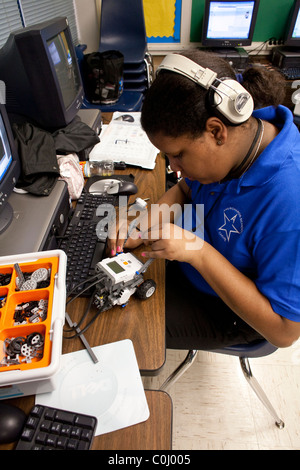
[[89, 304], [77, 325], [87, 326]]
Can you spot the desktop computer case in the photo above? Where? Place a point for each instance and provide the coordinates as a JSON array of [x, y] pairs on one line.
[[284, 58], [37, 221]]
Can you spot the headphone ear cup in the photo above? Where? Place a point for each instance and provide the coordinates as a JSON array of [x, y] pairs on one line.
[[230, 100], [212, 106]]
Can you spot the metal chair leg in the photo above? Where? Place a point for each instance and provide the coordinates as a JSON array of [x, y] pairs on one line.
[[259, 391], [186, 363]]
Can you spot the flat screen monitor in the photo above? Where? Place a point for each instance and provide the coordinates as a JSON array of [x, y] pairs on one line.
[[39, 67], [292, 36], [9, 169], [229, 24]]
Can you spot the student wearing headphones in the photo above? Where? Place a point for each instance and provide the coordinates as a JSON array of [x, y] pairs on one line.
[[236, 277]]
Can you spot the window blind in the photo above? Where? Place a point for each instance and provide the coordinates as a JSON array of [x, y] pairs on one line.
[[37, 11], [14, 12], [10, 19]]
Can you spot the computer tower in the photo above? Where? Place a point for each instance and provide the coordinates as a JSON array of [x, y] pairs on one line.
[[284, 58], [37, 221]]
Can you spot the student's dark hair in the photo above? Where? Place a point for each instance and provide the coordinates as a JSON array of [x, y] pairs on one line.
[[174, 105]]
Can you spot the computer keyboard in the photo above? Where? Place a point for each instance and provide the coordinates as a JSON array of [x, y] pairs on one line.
[[291, 73], [83, 242], [49, 428]]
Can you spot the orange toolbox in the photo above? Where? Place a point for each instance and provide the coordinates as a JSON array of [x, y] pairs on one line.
[[32, 315]]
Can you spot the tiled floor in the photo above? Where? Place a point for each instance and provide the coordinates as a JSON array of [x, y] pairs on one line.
[[215, 408]]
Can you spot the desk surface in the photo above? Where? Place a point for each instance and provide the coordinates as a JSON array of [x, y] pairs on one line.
[[144, 323], [153, 434]]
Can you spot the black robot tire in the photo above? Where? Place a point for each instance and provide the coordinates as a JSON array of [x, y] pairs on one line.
[[146, 289]]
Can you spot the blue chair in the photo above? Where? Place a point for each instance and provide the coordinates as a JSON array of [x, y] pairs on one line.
[[122, 27], [130, 100], [244, 352]]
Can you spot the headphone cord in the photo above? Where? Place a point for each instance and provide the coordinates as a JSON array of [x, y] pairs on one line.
[[237, 172]]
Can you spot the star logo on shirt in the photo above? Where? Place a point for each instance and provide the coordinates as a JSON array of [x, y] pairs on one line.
[[232, 223]]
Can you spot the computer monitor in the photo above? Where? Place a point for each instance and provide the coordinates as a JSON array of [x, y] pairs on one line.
[[10, 168], [39, 67], [292, 36], [229, 24]]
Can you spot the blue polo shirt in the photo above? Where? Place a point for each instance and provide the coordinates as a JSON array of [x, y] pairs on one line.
[[254, 221]]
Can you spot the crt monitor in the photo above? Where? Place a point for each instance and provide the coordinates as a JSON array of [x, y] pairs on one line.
[[292, 36], [229, 24], [39, 67], [9, 169]]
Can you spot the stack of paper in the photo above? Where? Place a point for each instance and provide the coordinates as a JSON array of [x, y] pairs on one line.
[[124, 140]]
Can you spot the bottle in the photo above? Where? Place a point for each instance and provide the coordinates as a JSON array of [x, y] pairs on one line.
[[103, 168]]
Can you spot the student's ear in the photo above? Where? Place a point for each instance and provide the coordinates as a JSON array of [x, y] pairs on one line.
[[217, 130]]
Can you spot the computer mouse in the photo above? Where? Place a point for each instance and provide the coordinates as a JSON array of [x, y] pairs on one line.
[[124, 188], [125, 117], [12, 420], [101, 186]]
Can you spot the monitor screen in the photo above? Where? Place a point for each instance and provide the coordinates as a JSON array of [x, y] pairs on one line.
[[229, 23], [9, 169], [39, 68], [63, 60], [292, 36], [5, 152]]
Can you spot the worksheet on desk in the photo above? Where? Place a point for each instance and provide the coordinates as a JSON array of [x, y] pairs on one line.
[[124, 140]]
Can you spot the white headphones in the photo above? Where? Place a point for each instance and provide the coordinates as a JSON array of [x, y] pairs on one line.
[[227, 96]]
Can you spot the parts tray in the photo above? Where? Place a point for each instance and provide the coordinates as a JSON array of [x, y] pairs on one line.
[[44, 365]]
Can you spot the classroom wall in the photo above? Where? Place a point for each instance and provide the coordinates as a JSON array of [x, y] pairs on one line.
[[271, 19]]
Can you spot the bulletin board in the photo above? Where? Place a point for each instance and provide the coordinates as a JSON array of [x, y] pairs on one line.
[[271, 19], [162, 20]]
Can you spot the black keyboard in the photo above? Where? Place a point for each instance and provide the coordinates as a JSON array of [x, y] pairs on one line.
[[50, 428], [83, 242], [291, 73]]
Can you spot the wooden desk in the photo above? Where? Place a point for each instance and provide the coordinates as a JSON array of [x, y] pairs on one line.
[[141, 321], [144, 323], [153, 434]]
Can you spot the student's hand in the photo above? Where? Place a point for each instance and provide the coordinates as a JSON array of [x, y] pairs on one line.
[[168, 241], [118, 238]]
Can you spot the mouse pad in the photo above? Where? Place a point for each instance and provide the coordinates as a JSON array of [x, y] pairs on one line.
[[92, 179], [111, 390]]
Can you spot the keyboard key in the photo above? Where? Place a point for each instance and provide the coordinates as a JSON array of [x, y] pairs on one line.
[[27, 434], [64, 417], [84, 421]]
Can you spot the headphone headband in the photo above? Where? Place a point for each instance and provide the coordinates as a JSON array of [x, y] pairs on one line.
[[227, 97], [180, 64]]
